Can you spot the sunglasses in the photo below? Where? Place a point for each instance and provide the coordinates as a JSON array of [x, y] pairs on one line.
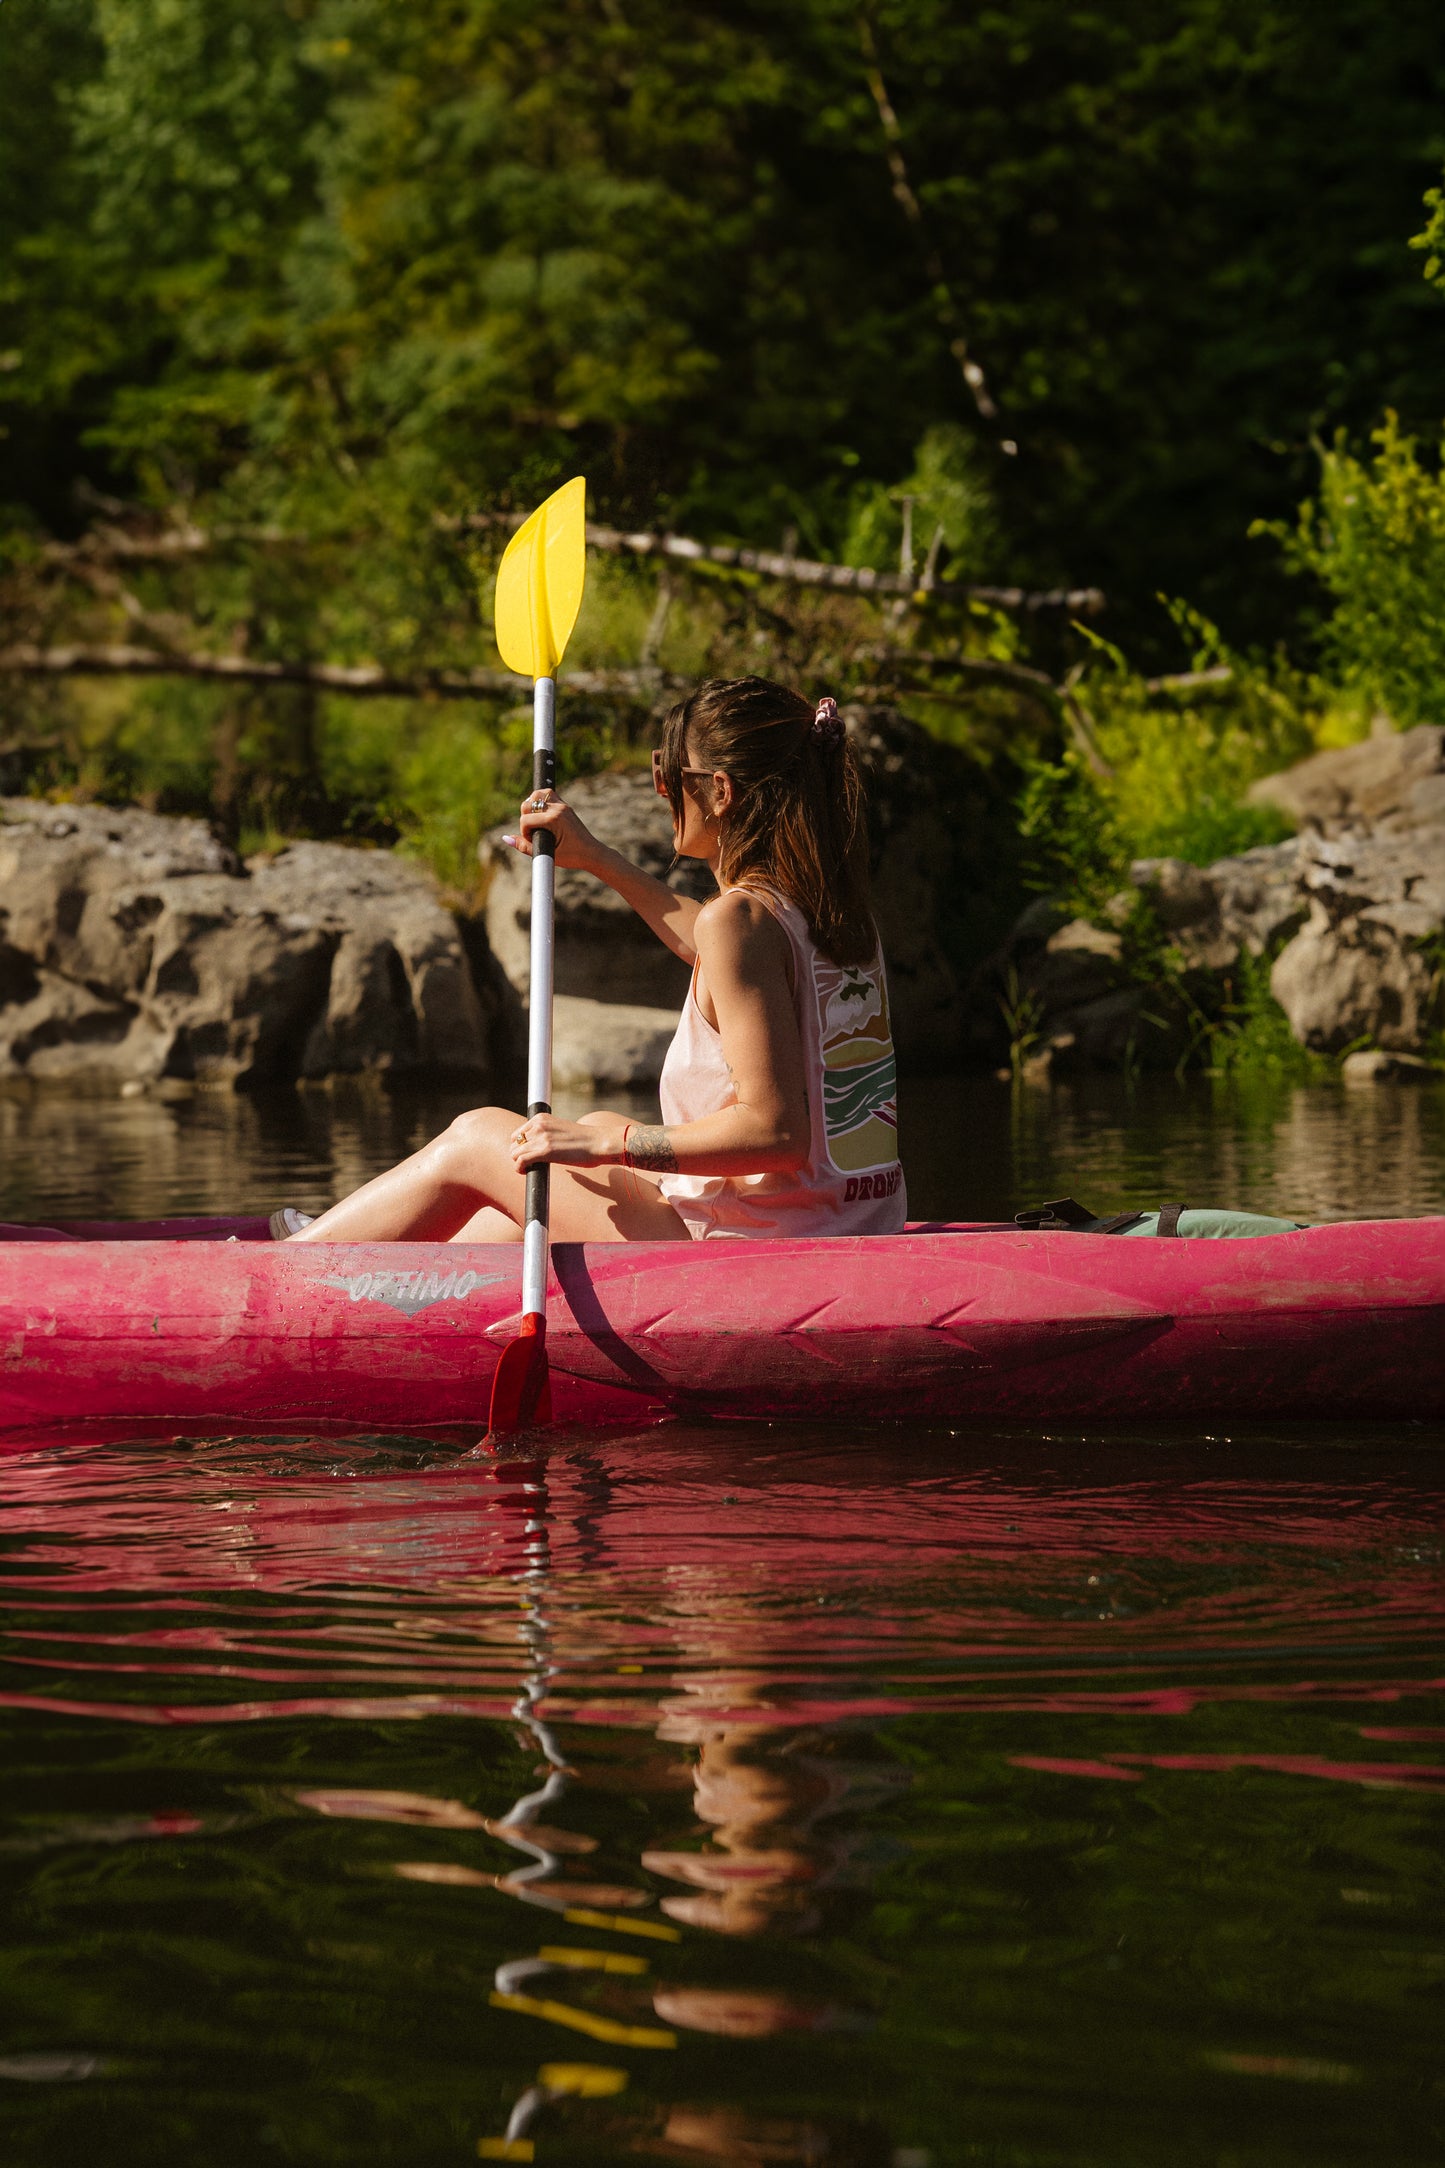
[[658, 784]]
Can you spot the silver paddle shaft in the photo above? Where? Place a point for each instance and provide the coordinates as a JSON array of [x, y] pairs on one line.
[[539, 1021]]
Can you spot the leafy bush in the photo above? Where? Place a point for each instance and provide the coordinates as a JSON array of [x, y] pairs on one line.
[[1375, 538], [950, 496], [1075, 847], [1164, 766], [1251, 1034], [1160, 769]]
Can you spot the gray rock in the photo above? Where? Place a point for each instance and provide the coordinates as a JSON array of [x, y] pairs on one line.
[[1377, 1067], [1338, 983], [1182, 895], [1079, 964], [1360, 968], [1389, 783], [1260, 899], [1075, 991], [1396, 880], [1104, 1032], [133, 947], [1214, 912], [233, 985], [609, 1046], [401, 996], [1358, 902], [603, 950]]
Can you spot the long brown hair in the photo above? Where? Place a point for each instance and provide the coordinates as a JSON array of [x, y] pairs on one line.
[[798, 819]]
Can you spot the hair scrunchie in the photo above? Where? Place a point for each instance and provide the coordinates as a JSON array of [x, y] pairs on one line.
[[828, 727]]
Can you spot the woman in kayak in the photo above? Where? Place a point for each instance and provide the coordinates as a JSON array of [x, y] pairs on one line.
[[779, 1112]]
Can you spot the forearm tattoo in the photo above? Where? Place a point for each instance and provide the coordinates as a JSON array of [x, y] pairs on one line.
[[651, 1149]]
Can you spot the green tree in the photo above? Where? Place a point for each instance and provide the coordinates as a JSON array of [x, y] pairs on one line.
[[461, 248], [1374, 538]]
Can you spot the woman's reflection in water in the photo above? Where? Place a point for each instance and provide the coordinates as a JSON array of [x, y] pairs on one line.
[[766, 1795]]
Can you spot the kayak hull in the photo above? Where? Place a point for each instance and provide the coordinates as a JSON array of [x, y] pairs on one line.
[[930, 1326]]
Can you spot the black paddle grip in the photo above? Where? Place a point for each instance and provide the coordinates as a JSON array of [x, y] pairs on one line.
[[544, 777], [539, 1179]]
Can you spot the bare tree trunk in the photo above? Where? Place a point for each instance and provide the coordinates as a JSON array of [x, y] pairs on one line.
[[945, 308]]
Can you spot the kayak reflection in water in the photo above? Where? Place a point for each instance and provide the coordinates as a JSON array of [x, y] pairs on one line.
[[779, 1104]]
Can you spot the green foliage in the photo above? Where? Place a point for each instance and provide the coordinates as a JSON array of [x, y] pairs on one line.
[[1164, 776], [1375, 539], [328, 277], [1166, 769], [1076, 848], [1181, 757], [1432, 238], [361, 262], [952, 497], [1251, 1035], [1022, 1013]]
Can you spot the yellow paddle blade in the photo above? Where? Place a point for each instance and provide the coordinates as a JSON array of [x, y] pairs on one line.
[[539, 583]]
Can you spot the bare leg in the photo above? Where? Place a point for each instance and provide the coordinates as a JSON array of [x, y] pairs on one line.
[[488, 1225], [464, 1186]]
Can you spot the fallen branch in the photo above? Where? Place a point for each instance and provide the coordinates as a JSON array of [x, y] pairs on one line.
[[811, 572], [1060, 703], [360, 680], [645, 686], [983, 670], [105, 543], [1191, 681]]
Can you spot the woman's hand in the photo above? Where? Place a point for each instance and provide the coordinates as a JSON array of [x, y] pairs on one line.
[[598, 1140], [576, 844]]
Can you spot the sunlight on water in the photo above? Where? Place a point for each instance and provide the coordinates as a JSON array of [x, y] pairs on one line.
[[972, 1148], [724, 1795], [729, 1794]]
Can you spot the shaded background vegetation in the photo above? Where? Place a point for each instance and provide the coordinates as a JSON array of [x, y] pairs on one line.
[[324, 283]]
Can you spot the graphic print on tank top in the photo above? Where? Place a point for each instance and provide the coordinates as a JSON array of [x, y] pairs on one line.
[[860, 1079]]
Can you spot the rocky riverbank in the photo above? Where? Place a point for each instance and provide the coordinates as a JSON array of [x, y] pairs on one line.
[[136, 950], [1349, 915]]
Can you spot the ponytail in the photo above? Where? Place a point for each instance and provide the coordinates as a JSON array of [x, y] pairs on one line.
[[798, 818]]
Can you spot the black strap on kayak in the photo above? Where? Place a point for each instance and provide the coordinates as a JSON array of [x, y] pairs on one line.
[[1169, 1218], [1067, 1215], [1064, 1212]]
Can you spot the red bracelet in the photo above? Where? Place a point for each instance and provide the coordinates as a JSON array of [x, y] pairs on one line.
[[627, 1129]]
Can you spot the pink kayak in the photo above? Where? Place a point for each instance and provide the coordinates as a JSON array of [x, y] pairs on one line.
[[202, 1322]]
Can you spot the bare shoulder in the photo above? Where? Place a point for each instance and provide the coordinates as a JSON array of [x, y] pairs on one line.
[[739, 928]]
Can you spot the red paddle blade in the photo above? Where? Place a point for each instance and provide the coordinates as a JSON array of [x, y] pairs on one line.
[[521, 1387]]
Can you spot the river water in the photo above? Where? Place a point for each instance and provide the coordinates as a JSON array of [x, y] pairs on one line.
[[735, 1795], [973, 1148]]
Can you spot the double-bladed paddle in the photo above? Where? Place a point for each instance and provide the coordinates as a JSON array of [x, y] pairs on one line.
[[539, 591]]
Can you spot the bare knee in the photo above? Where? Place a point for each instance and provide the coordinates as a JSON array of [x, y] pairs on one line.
[[474, 1138]]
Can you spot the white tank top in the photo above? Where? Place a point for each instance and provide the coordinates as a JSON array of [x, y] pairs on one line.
[[852, 1183]]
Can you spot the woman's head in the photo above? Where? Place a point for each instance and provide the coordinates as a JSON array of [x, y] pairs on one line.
[[792, 814]]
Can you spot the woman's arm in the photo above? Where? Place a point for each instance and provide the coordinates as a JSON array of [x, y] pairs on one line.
[[671, 917], [744, 958]]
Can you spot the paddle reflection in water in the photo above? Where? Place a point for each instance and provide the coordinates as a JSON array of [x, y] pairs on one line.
[[724, 1795], [762, 1807]]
